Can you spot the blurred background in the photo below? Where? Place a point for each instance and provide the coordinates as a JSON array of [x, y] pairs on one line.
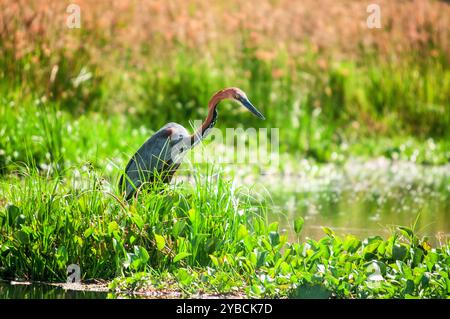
[[338, 91]]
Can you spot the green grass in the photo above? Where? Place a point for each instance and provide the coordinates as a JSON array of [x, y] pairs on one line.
[[205, 237], [41, 133], [62, 148], [316, 106], [78, 218], [60, 205]]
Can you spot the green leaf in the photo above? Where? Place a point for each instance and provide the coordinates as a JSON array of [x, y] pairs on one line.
[[417, 256], [22, 237], [160, 242], [142, 254], [409, 289], [298, 225], [193, 216], [274, 238], [4, 250], [273, 227], [399, 252], [261, 258], [371, 245], [324, 250], [328, 231], [88, 232], [137, 219], [382, 248], [308, 291], [137, 260], [112, 227], [180, 256], [407, 232], [214, 260], [62, 256], [12, 212], [242, 232], [178, 228], [351, 244], [184, 277]]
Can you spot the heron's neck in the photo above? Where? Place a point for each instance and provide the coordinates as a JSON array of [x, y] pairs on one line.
[[210, 120]]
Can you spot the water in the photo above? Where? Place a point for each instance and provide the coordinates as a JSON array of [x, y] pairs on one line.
[[363, 214], [364, 199], [43, 291]]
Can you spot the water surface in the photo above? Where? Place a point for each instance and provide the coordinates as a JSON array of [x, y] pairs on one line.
[[362, 198], [44, 291]]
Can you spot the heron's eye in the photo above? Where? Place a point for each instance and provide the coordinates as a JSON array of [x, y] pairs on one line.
[[237, 97]]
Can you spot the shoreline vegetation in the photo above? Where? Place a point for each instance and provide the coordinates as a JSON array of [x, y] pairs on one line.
[[75, 103], [209, 238]]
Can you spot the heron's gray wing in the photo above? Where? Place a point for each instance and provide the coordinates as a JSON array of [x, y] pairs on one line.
[[151, 156]]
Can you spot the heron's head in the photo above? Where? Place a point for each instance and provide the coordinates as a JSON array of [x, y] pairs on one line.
[[239, 96]]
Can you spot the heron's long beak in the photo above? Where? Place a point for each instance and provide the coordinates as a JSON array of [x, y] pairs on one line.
[[245, 102]]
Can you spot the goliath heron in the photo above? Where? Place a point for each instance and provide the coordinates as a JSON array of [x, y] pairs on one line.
[[159, 157]]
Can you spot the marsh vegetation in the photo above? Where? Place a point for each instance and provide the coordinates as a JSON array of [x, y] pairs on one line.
[[357, 207]]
